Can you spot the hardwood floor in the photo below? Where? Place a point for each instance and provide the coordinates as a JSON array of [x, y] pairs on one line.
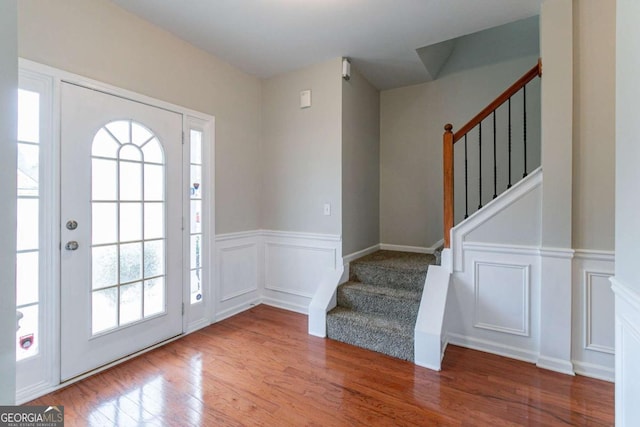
[[262, 368]]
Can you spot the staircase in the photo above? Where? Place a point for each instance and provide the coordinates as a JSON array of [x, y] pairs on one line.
[[450, 138], [378, 306]]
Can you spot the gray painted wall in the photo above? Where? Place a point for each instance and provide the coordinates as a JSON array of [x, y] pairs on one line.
[[556, 45], [360, 164], [594, 26], [412, 122], [517, 39], [301, 150], [8, 132], [99, 40]]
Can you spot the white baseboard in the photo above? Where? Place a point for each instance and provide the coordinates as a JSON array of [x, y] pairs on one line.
[[202, 323], [364, 252], [429, 366], [354, 256], [285, 305], [591, 370], [237, 309], [33, 392], [437, 245], [492, 347], [414, 249], [556, 365]]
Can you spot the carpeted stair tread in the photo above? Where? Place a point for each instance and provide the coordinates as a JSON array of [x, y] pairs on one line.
[[406, 261], [378, 333], [382, 300], [390, 291], [377, 308], [391, 268]]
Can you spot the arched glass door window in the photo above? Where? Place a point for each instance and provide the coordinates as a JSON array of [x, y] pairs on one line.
[[128, 226]]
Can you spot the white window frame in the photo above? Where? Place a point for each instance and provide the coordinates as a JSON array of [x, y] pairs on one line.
[[199, 314], [35, 372]]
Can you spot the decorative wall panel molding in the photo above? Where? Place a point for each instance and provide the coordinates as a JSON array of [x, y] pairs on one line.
[[292, 268], [279, 268], [502, 297], [237, 268], [599, 310]]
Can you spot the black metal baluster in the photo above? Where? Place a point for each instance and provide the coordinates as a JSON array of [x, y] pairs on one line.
[[524, 110], [495, 167], [480, 165], [466, 181], [509, 184]]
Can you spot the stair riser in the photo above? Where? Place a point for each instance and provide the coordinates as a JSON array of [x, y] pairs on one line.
[[382, 341], [378, 304], [375, 275]]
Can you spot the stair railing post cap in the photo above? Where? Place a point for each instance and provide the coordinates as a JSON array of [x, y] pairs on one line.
[[448, 127]]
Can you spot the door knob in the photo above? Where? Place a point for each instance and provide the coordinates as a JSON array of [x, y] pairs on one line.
[[71, 245]]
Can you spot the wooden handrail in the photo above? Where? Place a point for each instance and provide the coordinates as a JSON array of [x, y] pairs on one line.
[[450, 138], [501, 99]]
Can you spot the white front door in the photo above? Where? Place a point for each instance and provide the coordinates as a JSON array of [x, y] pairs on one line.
[[121, 228]]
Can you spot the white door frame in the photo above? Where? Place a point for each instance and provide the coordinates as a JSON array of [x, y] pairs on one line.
[[193, 319]]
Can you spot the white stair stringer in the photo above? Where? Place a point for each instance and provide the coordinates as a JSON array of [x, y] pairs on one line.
[[429, 337], [323, 300]]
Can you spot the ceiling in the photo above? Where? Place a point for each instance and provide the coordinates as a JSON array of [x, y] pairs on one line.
[[268, 37]]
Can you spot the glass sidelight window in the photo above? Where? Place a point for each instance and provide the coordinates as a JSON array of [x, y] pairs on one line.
[[196, 214], [28, 216], [128, 225]]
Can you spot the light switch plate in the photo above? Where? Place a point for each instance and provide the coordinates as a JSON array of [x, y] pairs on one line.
[[327, 209], [305, 98]]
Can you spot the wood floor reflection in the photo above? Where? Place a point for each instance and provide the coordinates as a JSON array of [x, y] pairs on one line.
[[262, 368]]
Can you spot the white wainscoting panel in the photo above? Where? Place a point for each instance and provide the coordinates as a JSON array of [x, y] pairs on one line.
[[278, 268], [502, 297], [235, 278], [294, 264], [599, 313], [493, 303], [291, 268], [593, 314], [237, 284]]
